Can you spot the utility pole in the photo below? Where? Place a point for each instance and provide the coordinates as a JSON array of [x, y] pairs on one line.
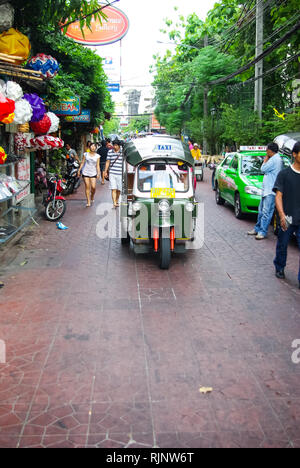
[[205, 104], [259, 66]]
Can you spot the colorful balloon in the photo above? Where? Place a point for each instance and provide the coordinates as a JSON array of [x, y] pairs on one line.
[[42, 127], [3, 155], [38, 106], [23, 112], [54, 122], [46, 64]]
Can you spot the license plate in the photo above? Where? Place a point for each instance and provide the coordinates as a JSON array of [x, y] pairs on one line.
[[163, 193]]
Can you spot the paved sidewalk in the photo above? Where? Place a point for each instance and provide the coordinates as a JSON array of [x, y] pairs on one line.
[[105, 350]]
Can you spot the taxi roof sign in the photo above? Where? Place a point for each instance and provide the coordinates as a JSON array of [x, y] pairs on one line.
[[253, 148]]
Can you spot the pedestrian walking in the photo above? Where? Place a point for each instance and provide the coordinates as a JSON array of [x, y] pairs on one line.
[[90, 167], [103, 152], [287, 189], [109, 143], [88, 146], [114, 166], [271, 167]]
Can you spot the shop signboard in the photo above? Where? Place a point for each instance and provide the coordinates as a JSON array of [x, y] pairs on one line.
[[113, 87], [71, 106], [23, 194], [104, 32], [23, 173], [23, 169], [84, 117]]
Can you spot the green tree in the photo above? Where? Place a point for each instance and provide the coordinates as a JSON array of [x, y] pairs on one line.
[[230, 30], [54, 13]]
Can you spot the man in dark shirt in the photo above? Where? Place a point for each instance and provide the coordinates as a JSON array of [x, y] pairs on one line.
[[103, 151], [287, 188]]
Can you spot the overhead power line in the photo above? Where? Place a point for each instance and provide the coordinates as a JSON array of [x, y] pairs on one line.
[[260, 57], [293, 57], [249, 65]]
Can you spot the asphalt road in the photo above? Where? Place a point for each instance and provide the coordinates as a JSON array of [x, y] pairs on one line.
[[103, 349]]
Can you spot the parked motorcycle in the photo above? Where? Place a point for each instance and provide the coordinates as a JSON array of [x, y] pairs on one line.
[[71, 176], [54, 203]]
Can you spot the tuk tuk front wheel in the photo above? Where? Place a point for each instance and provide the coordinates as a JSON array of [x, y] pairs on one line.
[[165, 253]]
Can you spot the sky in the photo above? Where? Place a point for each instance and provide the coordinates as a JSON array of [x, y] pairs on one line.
[[146, 18]]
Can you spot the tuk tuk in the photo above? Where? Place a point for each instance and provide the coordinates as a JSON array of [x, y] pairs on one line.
[[158, 207]]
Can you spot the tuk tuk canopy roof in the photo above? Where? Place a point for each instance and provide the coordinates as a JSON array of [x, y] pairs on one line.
[[156, 147]]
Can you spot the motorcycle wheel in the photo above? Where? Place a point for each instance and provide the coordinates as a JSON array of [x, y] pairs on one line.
[[69, 189], [165, 253], [58, 211], [77, 184]]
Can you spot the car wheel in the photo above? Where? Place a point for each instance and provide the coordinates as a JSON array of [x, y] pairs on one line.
[[238, 207], [219, 199]]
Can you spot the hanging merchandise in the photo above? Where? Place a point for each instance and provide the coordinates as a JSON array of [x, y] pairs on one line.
[[13, 90], [7, 107], [6, 17], [8, 119], [54, 122], [22, 141], [38, 106], [24, 128], [15, 44], [23, 112], [3, 155], [46, 64], [42, 127], [46, 142]]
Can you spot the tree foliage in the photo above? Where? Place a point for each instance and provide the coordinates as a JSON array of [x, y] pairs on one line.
[[207, 50], [54, 13]]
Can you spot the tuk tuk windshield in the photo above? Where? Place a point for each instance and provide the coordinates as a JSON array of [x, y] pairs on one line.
[[163, 175]]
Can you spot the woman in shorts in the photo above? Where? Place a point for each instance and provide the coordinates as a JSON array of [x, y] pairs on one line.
[[90, 167]]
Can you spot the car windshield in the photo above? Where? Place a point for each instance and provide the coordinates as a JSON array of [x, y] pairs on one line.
[[251, 165], [163, 175]]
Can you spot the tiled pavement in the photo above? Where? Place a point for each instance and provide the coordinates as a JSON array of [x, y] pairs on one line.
[[106, 350]]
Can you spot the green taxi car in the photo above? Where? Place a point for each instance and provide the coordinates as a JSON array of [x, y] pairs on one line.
[[239, 180]]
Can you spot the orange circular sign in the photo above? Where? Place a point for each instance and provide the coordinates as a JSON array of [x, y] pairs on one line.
[[111, 30]]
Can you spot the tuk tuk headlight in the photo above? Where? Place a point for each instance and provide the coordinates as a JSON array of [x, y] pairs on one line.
[[136, 206], [164, 206], [189, 207], [253, 190]]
